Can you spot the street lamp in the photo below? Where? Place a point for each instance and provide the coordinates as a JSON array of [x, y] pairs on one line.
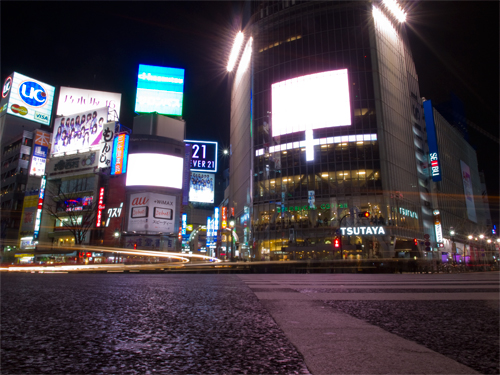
[[231, 225], [116, 235]]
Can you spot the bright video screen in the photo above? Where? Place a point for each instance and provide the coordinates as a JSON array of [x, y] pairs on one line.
[[314, 101], [201, 187], [159, 89], [154, 170]]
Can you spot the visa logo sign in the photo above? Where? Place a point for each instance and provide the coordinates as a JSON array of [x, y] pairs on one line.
[[42, 117], [32, 93]]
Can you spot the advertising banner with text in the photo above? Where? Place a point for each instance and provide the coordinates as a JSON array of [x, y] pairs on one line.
[[151, 212]]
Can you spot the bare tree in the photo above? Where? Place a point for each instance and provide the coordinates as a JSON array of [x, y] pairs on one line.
[[74, 208]]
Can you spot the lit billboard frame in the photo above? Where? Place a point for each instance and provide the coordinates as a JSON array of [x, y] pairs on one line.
[[159, 89], [201, 187], [434, 160], [204, 155], [119, 155], [309, 102], [143, 170], [75, 100], [28, 98]]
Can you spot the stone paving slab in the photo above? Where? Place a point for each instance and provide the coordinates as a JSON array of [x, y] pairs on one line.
[[336, 343], [376, 296]]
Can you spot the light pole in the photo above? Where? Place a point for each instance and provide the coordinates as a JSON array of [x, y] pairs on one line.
[[453, 248], [231, 225], [117, 236]]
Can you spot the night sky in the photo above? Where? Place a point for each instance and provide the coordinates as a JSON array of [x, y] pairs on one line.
[[99, 45]]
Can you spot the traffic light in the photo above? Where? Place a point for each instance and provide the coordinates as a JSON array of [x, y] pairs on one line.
[[135, 246], [364, 214], [336, 242], [415, 241]]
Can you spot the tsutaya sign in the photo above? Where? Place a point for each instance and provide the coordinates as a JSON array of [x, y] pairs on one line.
[[362, 231]]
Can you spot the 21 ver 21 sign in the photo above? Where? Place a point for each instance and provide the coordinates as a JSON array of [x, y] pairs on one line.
[[203, 156]]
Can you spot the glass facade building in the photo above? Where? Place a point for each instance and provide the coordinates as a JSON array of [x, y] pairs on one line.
[[377, 164]]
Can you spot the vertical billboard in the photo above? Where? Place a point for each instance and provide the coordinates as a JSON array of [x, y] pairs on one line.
[[151, 212], [468, 192], [203, 156], [73, 100], [159, 89], [38, 217], [40, 151], [78, 132], [201, 188], [108, 135], [28, 98], [120, 154], [435, 163], [314, 101]]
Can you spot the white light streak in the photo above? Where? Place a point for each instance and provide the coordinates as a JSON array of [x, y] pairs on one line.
[[395, 9], [235, 51]]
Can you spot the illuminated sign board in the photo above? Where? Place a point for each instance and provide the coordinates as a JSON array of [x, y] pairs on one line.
[[435, 163], [108, 135], [405, 212], [203, 156], [362, 231], [468, 192], [209, 230], [72, 100], [159, 89], [184, 223], [224, 218], [114, 212], [28, 98], [216, 222], [143, 170], [437, 226], [40, 150], [38, 218], [119, 156], [151, 213], [201, 187], [309, 102], [100, 207], [78, 132]]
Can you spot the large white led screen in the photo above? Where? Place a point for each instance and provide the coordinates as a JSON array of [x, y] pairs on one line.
[[201, 187], [314, 101], [154, 170]]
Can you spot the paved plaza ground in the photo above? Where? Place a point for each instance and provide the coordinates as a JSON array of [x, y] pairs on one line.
[[250, 323]]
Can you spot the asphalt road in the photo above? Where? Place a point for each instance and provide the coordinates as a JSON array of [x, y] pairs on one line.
[[251, 324]]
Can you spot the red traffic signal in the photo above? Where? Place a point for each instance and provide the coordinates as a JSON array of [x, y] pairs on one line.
[[364, 214], [336, 242], [415, 241], [135, 246]]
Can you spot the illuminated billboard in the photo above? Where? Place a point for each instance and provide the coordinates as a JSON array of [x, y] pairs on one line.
[[28, 98], [468, 192], [40, 151], [72, 100], [150, 212], [201, 187], [310, 102], [120, 154], [154, 170], [435, 163], [159, 89], [203, 156], [78, 132]]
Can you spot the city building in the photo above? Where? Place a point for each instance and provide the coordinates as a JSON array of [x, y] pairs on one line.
[[328, 147]]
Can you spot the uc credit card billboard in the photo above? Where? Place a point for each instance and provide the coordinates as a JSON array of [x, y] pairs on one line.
[[159, 89], [28, 98]]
